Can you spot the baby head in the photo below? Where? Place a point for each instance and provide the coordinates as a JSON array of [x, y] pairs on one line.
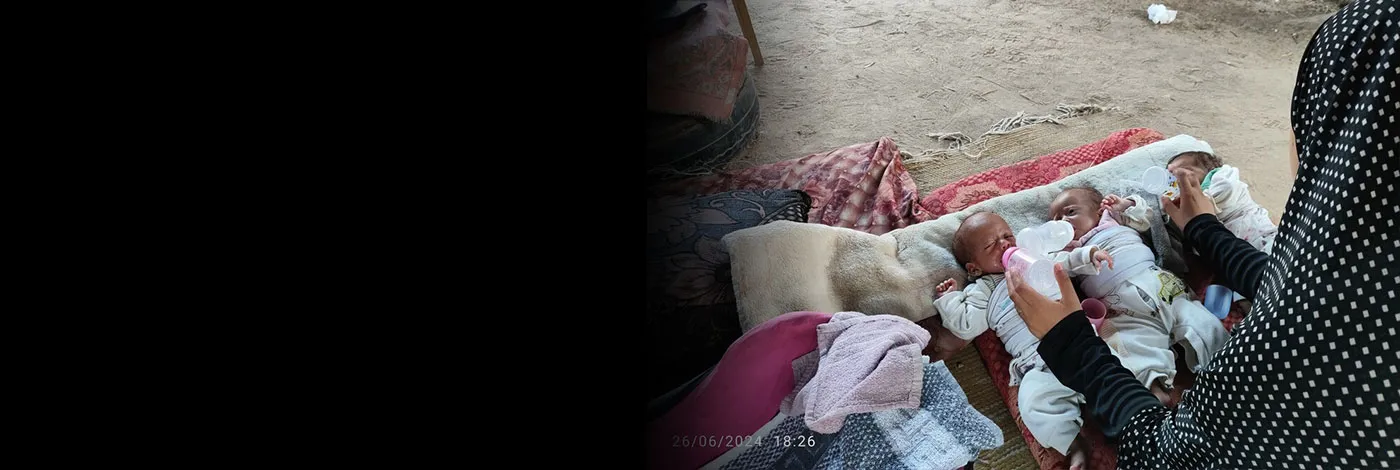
[[1078, 206], [1200, 161], [979, 242]]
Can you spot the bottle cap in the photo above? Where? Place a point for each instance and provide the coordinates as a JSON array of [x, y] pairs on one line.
[[1006, 256]]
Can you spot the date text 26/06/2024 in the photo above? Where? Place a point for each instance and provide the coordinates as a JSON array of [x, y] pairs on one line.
[[742, 441]]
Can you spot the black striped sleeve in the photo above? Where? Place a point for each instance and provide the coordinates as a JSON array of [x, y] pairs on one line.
[[1083, 362], [1237, 263]]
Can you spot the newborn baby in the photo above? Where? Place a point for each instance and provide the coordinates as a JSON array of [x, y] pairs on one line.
[[1235, 208], [1049, 409], [1149, 308]]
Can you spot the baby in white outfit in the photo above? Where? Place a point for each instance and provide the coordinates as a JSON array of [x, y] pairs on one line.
[[1150, 308], [1049, 409], [1234, 207]]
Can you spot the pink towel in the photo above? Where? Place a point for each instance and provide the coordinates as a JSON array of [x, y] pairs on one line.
[[738, 398], [868, 363]]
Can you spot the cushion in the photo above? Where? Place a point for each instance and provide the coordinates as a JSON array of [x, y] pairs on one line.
[[691, 312], [863, 187]]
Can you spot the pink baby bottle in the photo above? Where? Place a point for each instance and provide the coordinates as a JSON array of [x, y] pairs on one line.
[[1030, 256]]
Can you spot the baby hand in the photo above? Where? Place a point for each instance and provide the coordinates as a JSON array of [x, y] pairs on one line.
[[1115, 203], [945, 287], [1101, 257]]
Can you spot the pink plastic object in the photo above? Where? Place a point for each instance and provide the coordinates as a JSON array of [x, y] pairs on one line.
[[1095, 310]]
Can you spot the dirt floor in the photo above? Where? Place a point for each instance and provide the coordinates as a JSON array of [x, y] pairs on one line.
[[839, 72]]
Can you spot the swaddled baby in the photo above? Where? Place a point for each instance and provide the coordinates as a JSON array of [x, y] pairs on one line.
[[1150, 309], [1049, 409], [1234, 207]]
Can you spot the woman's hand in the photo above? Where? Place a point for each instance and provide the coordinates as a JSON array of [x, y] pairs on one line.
[[1193, 200], [1040, 313]]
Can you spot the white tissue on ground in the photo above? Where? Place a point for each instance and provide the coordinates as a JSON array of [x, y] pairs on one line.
[[1159, 14]]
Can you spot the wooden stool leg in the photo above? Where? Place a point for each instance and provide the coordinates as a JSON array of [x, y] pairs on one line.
[[746, 24]]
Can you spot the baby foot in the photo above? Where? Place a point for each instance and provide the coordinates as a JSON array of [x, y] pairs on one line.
[[1078, 454], [1162, 394]]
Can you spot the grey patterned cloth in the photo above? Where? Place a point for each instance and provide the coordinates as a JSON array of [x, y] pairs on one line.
[[945, 432]]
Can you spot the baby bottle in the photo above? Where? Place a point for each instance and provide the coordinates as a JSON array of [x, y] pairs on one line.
[[1159, 180], [1029, 256]]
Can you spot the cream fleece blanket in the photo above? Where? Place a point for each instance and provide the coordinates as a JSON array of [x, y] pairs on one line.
[[786, 266]]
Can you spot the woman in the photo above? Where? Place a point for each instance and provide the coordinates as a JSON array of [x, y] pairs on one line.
[[1309, 379]]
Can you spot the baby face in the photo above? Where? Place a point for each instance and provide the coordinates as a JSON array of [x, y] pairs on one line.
[[1078, 207], [983, 237]]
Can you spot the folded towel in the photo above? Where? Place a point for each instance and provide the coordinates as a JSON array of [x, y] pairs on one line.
[[867, 363], [945, 432]]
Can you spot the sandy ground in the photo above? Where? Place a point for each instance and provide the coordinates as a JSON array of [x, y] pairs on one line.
[[839, 72]]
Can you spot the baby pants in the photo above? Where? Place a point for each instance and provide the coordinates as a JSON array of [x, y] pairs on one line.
[[1049, 408], [1148, 314]]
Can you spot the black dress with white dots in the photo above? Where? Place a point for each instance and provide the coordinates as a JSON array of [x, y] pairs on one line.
[[1309, 379]]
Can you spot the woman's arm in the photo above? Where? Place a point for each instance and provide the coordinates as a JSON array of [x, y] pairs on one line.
[[1081, 360], [1076, 355], [1238, 262], [1149, 434]]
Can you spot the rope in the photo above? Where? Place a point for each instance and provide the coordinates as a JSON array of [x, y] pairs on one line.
[[957, 138], [1062, 111]]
